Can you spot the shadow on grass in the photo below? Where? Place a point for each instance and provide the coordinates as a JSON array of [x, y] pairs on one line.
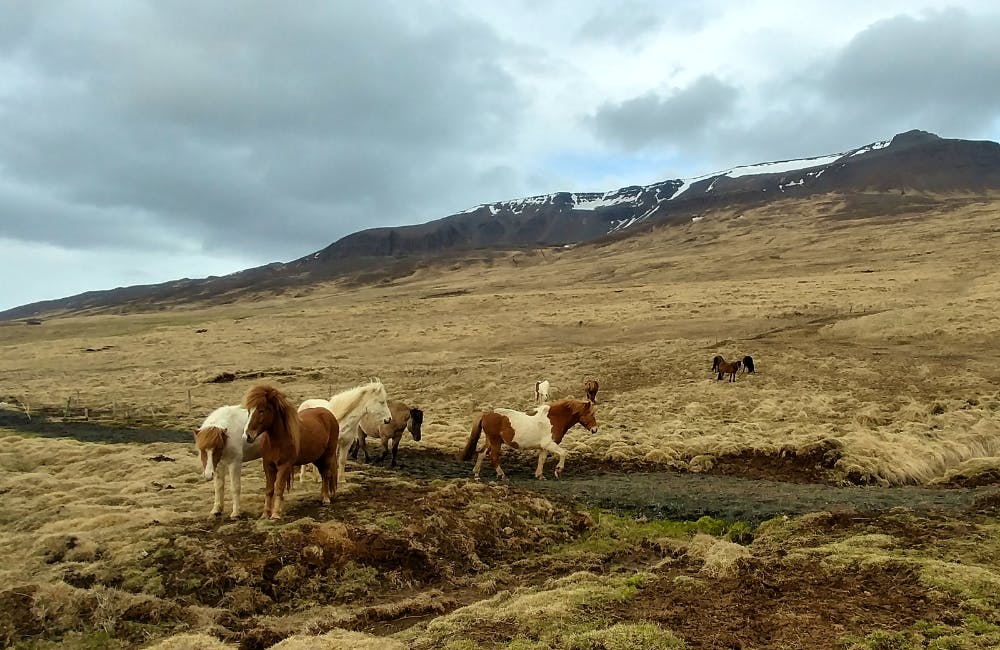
[[44, 427]]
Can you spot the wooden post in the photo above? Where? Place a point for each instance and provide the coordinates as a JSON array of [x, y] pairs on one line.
[[69, 402], [27, 410], [86, 414]]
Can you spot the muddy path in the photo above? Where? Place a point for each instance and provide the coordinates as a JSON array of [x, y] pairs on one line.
[[674, 495], [652, 494]]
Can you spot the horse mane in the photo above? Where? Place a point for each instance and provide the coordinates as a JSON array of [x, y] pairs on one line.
[[574, 406], [210, 437], [346, 401], [263, 395]]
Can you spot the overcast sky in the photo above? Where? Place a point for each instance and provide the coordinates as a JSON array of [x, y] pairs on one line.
[[147, 141]]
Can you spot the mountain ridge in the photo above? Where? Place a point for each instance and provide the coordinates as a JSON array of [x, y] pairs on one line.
[[912, 161]]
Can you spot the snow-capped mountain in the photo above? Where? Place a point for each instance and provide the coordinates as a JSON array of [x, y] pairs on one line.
[[916, 161]]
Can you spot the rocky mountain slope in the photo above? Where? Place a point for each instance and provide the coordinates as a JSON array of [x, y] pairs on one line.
[[912, 164]]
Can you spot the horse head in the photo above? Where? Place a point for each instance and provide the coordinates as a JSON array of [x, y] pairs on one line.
[[377, 403], [210, 442], [586, 416], [269, 411], [416, 419]]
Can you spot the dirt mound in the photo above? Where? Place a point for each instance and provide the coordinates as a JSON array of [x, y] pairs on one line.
[[794, 604]]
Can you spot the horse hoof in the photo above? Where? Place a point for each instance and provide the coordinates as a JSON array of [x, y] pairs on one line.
[[215, 514], [326, 502], [275, 517]]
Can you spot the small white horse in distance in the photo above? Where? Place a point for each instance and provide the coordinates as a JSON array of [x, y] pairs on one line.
[[220, 441], [542, 391], [348, 407]]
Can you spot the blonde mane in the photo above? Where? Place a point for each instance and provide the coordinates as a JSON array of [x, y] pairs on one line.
[[347, 401]]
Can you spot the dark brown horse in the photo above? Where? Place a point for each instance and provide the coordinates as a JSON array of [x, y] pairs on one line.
[[728, 368], [542, 429], [716, 360], [292, 439], [748, 365], [590, 388], [403, 418]]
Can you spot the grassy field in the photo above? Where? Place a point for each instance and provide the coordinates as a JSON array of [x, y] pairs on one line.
[[874, 339]]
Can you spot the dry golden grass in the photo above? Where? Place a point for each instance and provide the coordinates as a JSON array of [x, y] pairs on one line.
[[876, 333], [874, 338]]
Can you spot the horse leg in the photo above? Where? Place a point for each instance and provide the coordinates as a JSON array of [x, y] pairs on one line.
[[385, 451], [235, 471], [539, 471], [550, 445], [324, 475], [494, 449], [362, 444], [342, 463], [479, 462], [219, 483], [270, 473], [284, 476], [395, 449]]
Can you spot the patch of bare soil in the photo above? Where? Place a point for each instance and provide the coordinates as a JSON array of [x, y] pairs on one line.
[[785, 604], [392, 555], [674, 495]]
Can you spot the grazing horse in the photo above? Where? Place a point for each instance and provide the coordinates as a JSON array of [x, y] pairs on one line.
[[728, 368], [293, 438], [590, 388], [349, 406], [542, 429], [542, 389], [403, 417], [748, 365], [716, 360], [219, 439]]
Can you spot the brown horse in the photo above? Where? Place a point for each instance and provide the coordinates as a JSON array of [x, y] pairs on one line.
[[542, 429], [403, 417], [716, 360], [292, 439], [590, 388], [728, 368]]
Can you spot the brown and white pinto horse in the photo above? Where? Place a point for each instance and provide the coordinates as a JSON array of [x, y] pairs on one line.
[[590, 388], [541, 429], [292, 439]]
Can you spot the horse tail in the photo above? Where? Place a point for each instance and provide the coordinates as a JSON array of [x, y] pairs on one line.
[[470, 445]]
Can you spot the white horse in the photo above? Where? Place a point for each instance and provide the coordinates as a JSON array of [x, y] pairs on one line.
[[542, 389], [220, 441], [348, 407]]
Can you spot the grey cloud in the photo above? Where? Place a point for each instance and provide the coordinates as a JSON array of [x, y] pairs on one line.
[[938, 72], [652, 120], [249, 122]]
